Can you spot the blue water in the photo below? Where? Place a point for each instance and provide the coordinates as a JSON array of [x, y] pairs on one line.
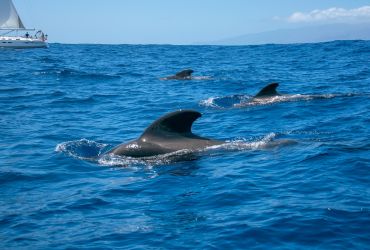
[[294, 172]]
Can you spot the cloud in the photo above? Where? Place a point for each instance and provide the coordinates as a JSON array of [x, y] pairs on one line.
[[332, 14]]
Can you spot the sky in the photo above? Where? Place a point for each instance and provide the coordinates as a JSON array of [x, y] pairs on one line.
[[179, 21]]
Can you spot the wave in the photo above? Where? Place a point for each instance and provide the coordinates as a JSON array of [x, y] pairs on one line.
[[11, 89], [74, 100], [239, 101], [75, 73], [90, 150], [225, 102], [17, 176], [79, 100], [57, 93]]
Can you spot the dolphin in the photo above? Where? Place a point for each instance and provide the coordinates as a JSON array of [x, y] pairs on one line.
[[268, 91], [266, 95], [182, 75], [269, 95], [169, 133]]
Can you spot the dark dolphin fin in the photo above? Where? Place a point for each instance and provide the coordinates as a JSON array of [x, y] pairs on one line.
[[182, 75], [185, 73], [175, 122], [269, 90]]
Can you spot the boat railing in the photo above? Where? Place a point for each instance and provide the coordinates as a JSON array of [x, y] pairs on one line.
[[39, 35]]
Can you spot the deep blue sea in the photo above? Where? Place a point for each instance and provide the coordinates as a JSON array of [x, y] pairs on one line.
[[293, 173]]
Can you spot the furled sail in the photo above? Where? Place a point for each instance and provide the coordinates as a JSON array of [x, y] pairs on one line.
[[9, 18]]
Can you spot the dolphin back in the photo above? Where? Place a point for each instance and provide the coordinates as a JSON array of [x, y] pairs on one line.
[[269, 90], [179, 122], [170, 133], [185, 73]]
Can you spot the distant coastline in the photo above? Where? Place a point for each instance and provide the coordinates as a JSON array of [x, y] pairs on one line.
[[308, 34]]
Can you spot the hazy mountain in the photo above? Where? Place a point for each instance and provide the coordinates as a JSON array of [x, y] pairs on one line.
[[308, 34]]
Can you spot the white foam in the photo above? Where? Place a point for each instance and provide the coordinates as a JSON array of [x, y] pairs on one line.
[[201, 78], [133, 146], [286, 98], [77, 148], [150, 161], [239, 101], [243, 144], [210, 102]]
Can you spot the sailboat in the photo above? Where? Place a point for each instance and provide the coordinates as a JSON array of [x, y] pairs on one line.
[[13, 34]]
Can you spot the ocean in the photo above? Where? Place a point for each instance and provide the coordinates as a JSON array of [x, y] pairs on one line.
[[293, 172]]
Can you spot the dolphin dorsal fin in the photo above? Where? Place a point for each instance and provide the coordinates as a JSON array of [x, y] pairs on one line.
[[269, 90], [174, 122], [185, 73]]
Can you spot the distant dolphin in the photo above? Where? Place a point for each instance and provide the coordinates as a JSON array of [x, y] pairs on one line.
[[268, 91], [170, 133], [182, 75], [267, 95]]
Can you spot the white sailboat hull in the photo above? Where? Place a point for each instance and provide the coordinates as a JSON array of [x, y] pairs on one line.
[[22, 42]]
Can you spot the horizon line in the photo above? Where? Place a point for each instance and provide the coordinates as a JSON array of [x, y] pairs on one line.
[[205, 44]]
